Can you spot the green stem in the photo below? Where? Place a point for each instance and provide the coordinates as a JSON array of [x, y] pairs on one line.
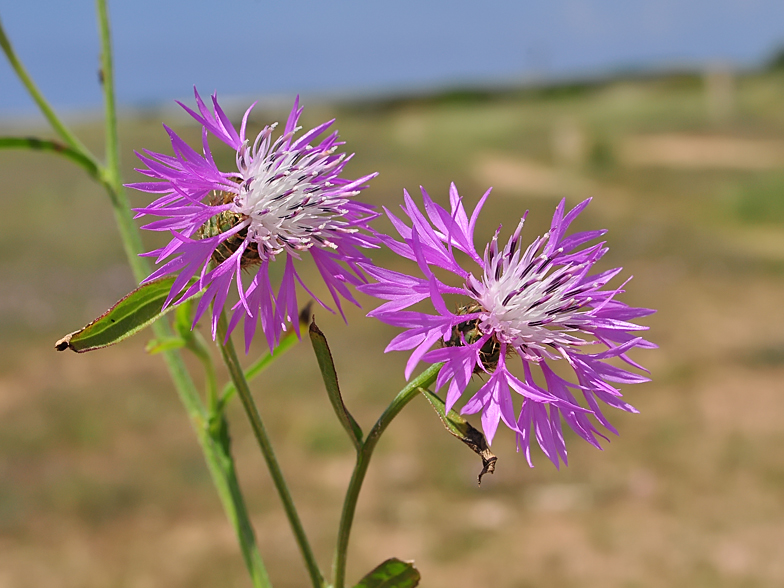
[[215, 444], [243, 527], [219, 461], [43, 105], [216, 453], [286, 342], [424, 380], [107, 83], [260, 431], [122, 209], [198, 346]]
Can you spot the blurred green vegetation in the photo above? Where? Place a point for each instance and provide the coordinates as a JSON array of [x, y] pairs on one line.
[[102, 483]]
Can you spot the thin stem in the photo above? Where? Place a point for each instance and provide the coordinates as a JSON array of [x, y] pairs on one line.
[[217, 428], [219, 461], [424, 380], [216, 454], [286, 342], [215, 443], [122, 208], [196, 343], [241, 384], [107, 83], [43, 105]]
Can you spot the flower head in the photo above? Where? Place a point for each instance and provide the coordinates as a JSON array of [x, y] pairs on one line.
[[538, 305], [284, 199]]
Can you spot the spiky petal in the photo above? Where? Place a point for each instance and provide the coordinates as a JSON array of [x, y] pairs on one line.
[[286, 198], [539, 304]]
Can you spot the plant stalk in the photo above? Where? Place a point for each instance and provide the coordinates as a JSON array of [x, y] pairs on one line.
[[424, 380], [288, 340], [260, 431], [129, 234], [217, 455]]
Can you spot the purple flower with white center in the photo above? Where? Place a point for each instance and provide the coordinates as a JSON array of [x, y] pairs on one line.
[[540, 305], [285, 198]]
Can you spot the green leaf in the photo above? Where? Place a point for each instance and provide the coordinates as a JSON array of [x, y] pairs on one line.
[[53, 147], [461, 429], [393, 573], [130, 315], [327, 367]]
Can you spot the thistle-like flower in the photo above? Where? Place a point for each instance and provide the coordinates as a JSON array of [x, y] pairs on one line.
[[285, 198], [538, 305]]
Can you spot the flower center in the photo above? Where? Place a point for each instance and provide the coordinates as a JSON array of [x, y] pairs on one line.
[[529, 309], [223, 222], [470, 332], [288, 198], [531, 300]]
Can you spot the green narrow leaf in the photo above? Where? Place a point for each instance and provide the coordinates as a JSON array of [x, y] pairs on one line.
[[327, 367], [130, 315], [462, 429], [393, 573], [55, 147]]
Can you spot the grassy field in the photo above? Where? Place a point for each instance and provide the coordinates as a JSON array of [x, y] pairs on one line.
[[102, 482]]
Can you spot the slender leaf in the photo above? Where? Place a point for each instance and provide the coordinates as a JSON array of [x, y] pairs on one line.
[[393, 573], [35, 94], [461, 429], [90, 166], [130, 315], [327, 367]]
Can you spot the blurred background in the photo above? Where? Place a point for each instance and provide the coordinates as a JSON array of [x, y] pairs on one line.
[[670, 114]]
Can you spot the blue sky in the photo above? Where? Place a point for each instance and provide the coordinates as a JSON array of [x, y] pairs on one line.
[[354, 47]]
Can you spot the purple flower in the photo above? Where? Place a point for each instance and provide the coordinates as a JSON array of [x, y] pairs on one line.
[[285, 198], [539, 305]]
